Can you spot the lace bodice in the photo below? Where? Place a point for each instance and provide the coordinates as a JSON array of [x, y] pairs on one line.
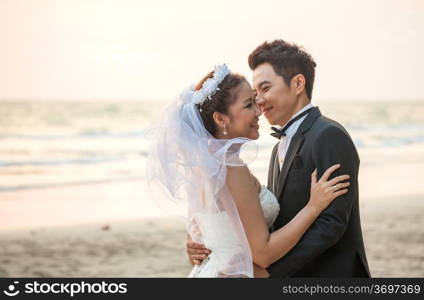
[[223, 243], [270, 205]]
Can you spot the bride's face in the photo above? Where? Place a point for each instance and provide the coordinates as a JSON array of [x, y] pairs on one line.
[[243, 114]]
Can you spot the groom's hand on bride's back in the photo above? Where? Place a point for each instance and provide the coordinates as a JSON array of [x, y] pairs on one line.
[[196, 252]]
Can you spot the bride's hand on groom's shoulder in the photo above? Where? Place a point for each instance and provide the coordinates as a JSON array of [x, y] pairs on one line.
[[196, 252], [324, 191]]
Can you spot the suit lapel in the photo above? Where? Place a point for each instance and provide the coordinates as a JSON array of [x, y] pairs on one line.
[[276, 173], [295, 144]]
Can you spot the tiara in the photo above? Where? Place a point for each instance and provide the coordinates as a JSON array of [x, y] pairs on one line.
[[210, 86]]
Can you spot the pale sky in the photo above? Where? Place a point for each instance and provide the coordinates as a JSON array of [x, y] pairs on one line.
[[150, 50]]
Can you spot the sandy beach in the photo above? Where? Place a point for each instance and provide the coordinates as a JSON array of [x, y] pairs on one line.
[[85, 86], [113, 230]]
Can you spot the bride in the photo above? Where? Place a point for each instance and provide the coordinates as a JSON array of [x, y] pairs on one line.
[[197, 166]]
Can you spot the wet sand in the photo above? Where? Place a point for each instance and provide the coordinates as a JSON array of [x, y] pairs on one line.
[[113, 230]]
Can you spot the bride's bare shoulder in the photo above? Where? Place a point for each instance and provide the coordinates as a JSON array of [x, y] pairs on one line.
[[237, 171], [240, 176]]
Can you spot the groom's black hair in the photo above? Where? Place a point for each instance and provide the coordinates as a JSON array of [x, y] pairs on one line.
[[287, 60]]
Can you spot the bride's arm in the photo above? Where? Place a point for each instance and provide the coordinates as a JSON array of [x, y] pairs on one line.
[[267, 248]]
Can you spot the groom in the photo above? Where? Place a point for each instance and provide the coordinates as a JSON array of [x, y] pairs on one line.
[[283, 77]]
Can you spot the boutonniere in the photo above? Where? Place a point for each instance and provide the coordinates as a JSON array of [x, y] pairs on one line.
[[297, 162]]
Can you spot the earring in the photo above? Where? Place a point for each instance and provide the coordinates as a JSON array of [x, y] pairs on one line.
[[225, 130]]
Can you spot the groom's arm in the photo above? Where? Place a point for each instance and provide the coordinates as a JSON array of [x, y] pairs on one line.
[[332, 146]]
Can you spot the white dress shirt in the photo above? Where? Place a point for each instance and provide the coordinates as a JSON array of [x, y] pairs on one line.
[[290, 132]]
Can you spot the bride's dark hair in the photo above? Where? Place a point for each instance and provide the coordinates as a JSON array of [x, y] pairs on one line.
[[220, 101]]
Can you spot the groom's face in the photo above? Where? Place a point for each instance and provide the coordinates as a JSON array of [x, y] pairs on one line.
[[276, 100]]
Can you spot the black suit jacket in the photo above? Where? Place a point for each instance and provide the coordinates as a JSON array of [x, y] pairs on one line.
[[333, 245]]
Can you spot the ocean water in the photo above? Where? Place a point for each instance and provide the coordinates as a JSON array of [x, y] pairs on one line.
[[45, 144]]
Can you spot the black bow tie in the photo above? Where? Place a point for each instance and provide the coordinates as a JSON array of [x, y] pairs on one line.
[[279, 132]]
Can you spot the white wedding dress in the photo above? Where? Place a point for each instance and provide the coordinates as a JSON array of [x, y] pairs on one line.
[[222, 242]]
